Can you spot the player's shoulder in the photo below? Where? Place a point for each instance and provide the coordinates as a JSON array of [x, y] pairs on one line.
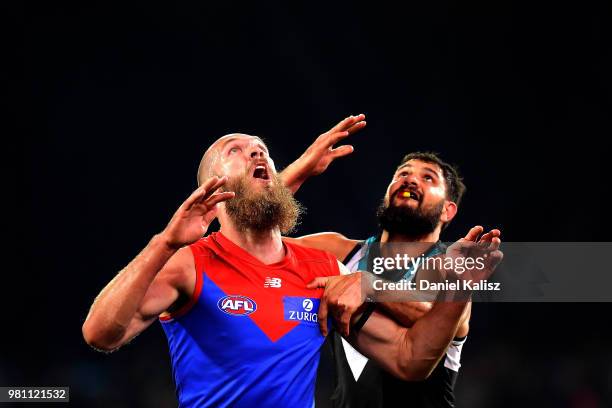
[[206, 246], [313, 261], [304, 253]]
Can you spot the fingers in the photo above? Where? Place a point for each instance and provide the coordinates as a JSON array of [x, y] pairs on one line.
[[206, 189], [322, 316], [490, 241], [495, 243], [334, 138], [357, 127], [213, 186], [194, 197], [319, 282], [343, 129], [490, 235], [473, 233], [218, 197], [342, 151], [344, 322], [347, 123]]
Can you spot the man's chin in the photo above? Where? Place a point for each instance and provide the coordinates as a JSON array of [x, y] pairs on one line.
[[261, 183], [405, 203]]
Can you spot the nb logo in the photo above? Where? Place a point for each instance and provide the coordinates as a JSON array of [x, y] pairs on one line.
[[272, 283]]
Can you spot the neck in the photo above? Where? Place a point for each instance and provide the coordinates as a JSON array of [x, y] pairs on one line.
[[397, 237], [266, 246], [419, 244]]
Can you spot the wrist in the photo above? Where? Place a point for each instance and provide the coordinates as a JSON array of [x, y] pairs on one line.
[[367, 286], [164, 244], [293, 179]]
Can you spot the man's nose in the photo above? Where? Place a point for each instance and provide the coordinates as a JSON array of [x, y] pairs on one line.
[[257, 153], [411, 180]]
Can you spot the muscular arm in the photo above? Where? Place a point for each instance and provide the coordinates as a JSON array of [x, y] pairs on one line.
[[148, 286], [409, 353], [407, 313], [156, 278]]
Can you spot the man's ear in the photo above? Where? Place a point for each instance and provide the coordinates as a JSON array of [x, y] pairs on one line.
[[448, 212]]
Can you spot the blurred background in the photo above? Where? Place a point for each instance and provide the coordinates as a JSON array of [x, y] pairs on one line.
[[110, 108]]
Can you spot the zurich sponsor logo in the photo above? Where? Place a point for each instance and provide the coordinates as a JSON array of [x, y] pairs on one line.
[[237, 305], [307, 305], [301, 309]]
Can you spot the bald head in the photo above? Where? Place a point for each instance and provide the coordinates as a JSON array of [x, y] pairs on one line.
[[214, 152]]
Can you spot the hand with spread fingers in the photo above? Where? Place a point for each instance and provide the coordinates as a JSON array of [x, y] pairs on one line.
[[322, 152], [483, 250], [191, 221], [343, 297]]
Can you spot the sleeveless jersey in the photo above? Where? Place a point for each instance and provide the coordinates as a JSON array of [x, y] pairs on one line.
[[357, 382], [249, 337]]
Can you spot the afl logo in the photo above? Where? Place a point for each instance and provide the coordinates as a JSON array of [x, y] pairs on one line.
[[307, 305], [237, 305]]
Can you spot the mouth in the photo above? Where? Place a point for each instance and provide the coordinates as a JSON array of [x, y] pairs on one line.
[[261, 172], [412, 195]]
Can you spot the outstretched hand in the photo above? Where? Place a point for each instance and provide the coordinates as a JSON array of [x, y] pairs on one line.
[[191, 221], [476, 246], [322, 152]]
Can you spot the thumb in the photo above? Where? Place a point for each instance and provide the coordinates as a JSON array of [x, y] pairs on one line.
[[319, 282]]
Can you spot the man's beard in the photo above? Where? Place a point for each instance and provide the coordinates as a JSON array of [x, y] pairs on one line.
[[410, 222], [260, 211]]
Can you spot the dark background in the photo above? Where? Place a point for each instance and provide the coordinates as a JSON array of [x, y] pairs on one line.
[[111, 107]]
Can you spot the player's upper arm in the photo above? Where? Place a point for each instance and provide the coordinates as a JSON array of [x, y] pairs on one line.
[[332, 242], [383, 340], [172, 284]]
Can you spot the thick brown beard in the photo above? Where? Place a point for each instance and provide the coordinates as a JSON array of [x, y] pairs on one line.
[[262, 210], [415, 223]]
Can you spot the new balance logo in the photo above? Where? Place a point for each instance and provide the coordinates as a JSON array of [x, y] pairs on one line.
[[272, 283]]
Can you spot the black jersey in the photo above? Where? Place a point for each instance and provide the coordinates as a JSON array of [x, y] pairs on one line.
[[347, 379]]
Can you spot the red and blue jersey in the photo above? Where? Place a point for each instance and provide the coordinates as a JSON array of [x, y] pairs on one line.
[[249, 336]]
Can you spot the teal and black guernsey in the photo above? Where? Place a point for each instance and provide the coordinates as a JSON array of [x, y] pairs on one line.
[[346, 379]]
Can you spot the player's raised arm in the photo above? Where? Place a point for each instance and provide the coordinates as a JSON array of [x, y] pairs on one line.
[[321, 153], [151, 283]]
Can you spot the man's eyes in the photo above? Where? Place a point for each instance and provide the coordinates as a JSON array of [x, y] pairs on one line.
[[233, 150], [406, 174]]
